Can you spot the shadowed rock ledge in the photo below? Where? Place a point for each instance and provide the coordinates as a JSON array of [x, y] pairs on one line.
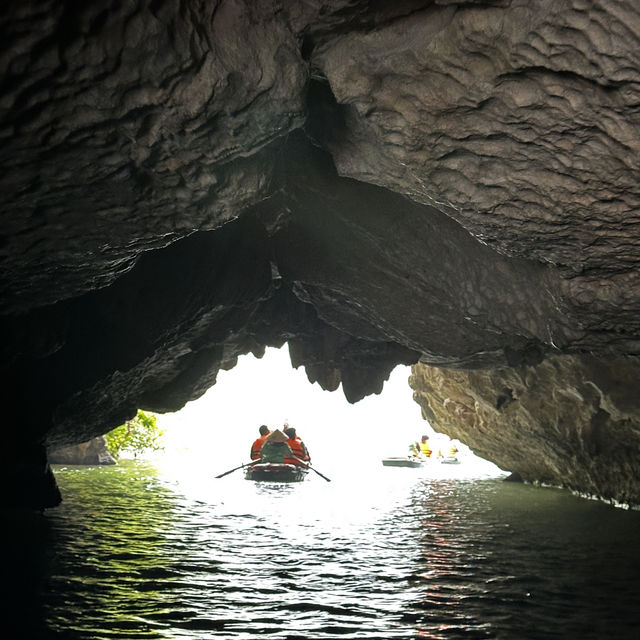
[[454, 183]]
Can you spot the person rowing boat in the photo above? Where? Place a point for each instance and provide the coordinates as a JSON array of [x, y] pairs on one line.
[[256, 447], [299, 449]]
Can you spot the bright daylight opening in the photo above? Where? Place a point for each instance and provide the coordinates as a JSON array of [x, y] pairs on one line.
[[214, 433]]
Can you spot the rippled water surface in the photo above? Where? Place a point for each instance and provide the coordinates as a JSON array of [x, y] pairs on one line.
[[137, 551]]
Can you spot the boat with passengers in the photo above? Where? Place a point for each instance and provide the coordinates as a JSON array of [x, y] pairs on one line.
[[279, 459], [421, 454]]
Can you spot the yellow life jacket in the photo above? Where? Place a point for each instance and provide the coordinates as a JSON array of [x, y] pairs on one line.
[[425, 448]]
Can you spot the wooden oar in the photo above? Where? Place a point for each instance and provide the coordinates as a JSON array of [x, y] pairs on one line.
[[308, 466], [242, 466], [325, 477]]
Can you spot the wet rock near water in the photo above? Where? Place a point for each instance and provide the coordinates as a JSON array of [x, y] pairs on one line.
[[375, 184], [93, 452], [571, 421]]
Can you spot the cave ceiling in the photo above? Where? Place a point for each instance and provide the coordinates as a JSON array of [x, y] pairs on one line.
[[374, 183]]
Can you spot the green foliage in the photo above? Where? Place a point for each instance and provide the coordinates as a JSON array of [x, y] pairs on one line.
[[136, 435]]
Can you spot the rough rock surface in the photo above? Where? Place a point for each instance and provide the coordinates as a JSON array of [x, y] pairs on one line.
[[92, 452], [374, 183], [572, 421]]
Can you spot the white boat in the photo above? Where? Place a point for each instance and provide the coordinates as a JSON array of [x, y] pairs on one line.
[[406, 461]]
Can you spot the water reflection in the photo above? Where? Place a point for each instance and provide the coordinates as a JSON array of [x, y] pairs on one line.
[[141, 553], [452, 565], [511, 561], [111, 536]]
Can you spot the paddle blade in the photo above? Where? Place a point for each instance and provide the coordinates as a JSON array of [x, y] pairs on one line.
[[320, 474]]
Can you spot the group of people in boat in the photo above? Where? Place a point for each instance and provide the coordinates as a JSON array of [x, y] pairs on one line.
[[280, 446], [422, 449]]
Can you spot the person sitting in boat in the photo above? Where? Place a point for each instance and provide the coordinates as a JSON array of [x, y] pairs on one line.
[[297, 446], [257, 444], [424, 447], [275, 448], [414, 450]]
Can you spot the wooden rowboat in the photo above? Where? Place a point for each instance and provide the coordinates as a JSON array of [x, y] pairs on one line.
[[275, 472]]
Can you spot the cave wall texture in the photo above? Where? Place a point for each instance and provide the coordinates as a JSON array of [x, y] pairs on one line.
[[375, 183], [571, 420]]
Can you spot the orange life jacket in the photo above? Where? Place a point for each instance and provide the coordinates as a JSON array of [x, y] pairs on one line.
[[257, 445], [298, 449]]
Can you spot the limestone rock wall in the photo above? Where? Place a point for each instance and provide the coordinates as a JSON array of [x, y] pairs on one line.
[[183, 182], [92, 452], [129, 126], [571, 421]]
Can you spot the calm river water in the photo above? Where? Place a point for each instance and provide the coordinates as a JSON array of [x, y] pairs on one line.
[[139, 551]]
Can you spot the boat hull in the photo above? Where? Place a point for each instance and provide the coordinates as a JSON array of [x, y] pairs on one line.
[[275, 472], [402, 462]]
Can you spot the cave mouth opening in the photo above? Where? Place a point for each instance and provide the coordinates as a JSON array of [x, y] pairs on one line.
[[347, 441], [225, 420], [215, 432]]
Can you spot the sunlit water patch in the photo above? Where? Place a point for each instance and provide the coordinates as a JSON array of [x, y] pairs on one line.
[[137, 551]]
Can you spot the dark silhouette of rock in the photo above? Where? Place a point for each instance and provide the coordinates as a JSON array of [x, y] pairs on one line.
[[28, 481], [373, 183]]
